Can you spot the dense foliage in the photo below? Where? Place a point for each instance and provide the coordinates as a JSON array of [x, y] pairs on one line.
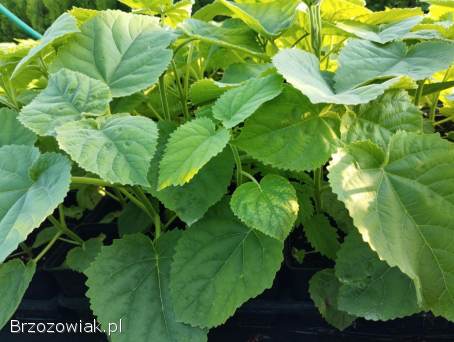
[[217, 141]]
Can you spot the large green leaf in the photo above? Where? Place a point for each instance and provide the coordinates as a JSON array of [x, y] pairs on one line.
[[362, 61], [302, 70], [189, 148], [383, 33], [322, 235], [192, 200], [237, 37], [269, 19], [64, 26], [270, 206], [12, 132], [129, 280], [324, 290], [68, 97], [118, 148], [290, 133], [127, 51], [218, 265], [381, 118], [32, 185], [236, 105], [401, 202], [14, 280], [370, 287]]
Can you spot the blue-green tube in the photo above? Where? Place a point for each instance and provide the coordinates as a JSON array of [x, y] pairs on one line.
[[17, 21]]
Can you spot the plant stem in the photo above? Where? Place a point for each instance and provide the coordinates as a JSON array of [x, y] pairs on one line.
[[436, 97], [10, 92], [451, 118], [252, 178], [64, 229], [316, 29], [27, 250], [157, 219], [90, 181], [164, 102], [239, 168], [134, 200], [419, 92], [188, 71], [183, 99], [48, 246], [318, 180]]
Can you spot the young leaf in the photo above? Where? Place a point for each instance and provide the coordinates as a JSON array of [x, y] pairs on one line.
[[381, 118], [127, 51], [236, 105], [269, 19], [207, 90], [64, 26], [362, 61], [129, 280], [12, 131], [31, 187], [133, 220], [302, 70], [189, 148], [68, 96], [324, 290], [370, 287], [401, 202], [80, 258], [321, 235], [192, 200], [14, 280], [270, 207], [218, 265], [118, 148], [383, 33], [290, 133]]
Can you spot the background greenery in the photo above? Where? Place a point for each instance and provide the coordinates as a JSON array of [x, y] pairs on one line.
[[41, 13]]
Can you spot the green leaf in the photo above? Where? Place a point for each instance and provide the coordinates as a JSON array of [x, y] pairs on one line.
[[12, 132], [44, 236], [401, 202], [32, 185], [269, 19], [218, 265], [207, 90], [133, 220], [324, 290], [370, 287], [241, 72], [382, 33], [302, 70], [237, 37], [192, 200], [321, 235], [129, 280], [337, 211], [79, 258], [14, 280], [189, 148], [236, 105], [69, 96], [64, 26], [290, 133], [270, 207], [362, 61], [126, 51], [118, 148], [381, 118]]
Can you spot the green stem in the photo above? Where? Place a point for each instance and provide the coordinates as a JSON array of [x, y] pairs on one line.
[[10, 92], [157, 219], [27, 250], [419, 92], [48, 246], [70, 241], [183, 99], [90, 181], [316, 29], [188, 71], [318, 181], [134, 200], [164, 102], [64, 229], [252, 178], [169, 222], [451, 118], [239, 168], [436, 97]]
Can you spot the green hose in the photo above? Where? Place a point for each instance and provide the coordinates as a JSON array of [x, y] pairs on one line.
[[17, 21]]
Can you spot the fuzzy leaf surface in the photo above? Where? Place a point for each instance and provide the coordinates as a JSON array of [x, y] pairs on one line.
[[12, 132]]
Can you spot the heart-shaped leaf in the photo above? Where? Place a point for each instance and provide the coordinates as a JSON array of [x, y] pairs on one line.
[[118, 148]]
